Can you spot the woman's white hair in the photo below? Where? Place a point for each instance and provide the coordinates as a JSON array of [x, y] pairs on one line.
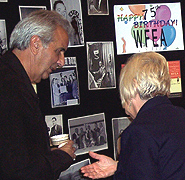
[[42, 23], [146, 74]]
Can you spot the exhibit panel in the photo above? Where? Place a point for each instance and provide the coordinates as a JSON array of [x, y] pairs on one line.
[[105, 34]]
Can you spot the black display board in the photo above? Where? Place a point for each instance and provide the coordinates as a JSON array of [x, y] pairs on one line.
[[96, 28]]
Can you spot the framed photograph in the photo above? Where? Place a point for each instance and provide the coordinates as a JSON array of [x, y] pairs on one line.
[[54, 124], [71, 10], [101, 65], [98, 7], [64, 84], [88, 133], [118, 126], [3, 37], [73, 172], [25, 10]]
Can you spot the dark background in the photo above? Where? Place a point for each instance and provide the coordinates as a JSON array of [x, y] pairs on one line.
[[96, 28]]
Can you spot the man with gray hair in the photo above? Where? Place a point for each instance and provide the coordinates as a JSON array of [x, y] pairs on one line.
[[37, 46]]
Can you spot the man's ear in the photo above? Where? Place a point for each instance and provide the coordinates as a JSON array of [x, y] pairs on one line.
[[35, 44], [135, 83]]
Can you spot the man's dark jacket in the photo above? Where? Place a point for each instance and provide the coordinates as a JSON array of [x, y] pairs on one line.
[[24, 141]]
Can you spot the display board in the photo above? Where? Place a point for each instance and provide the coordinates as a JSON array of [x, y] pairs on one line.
[[95, 28]]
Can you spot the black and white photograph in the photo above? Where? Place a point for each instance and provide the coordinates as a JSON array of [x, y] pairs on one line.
[[101, 65], [73, 172], [65, 85], [118, 126], [88, 133], [3, 37], [72, 11], [54, 124], [98, 7], [25, 10]]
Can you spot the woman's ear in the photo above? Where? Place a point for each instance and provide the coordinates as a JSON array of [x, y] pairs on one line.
[[35, 44]]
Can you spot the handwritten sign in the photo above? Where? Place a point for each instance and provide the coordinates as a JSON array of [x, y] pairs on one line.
[[148, 27]]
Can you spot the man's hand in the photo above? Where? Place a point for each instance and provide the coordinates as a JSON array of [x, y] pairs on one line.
[[68, 148], [104, 167]]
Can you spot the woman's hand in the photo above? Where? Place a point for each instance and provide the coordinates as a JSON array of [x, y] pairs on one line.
[[104, 167]]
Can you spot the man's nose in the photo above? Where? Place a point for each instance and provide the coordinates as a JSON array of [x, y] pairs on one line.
[[61, 60]]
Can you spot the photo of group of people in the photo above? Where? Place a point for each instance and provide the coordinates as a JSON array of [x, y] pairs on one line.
[[88, 133], [64, 84], [101, 65]]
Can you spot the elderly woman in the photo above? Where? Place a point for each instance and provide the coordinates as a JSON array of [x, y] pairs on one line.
[[153, 145]]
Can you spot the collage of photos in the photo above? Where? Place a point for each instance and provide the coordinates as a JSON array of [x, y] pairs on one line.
[[88, 133], [71, 10], [64, 84], [101, 65], [110, 36], [118, 126]]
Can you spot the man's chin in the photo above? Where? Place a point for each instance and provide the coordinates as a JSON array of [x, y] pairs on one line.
[[37, 81], [45, 76]]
